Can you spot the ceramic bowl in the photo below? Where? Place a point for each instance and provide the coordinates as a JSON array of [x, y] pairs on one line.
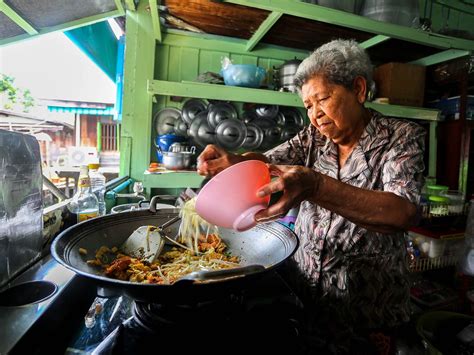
[[230, 199], [246, 75]]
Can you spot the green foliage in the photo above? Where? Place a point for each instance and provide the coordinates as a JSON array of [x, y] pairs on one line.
[[14, 94]]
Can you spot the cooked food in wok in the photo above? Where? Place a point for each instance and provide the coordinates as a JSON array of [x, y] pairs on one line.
[[204, 251]]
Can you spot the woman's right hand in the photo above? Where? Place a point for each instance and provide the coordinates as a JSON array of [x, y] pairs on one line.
[[214, 159]]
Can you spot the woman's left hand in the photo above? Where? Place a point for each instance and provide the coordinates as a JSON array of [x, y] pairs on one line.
[[297, 184]]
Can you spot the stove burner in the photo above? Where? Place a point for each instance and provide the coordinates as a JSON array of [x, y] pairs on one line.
[[266, 318], [152, 316]]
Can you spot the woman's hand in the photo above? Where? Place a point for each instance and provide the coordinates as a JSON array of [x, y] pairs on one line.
[[297, 184], [214, 159]]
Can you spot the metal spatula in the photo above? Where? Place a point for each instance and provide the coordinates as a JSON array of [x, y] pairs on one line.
[[146, 242]]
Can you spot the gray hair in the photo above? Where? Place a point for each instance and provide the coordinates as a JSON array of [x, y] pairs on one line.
[[339, 61]]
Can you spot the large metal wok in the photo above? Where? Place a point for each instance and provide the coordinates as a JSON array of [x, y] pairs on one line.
[[267, 245]]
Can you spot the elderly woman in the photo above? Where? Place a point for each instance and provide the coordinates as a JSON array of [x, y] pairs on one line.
[[356, 177]]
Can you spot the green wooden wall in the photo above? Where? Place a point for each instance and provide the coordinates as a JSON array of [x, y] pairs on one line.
[[443, 16], [182, 58]]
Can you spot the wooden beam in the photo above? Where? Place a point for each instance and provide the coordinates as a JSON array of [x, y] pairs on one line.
[[264, 27], [155, 18], [441, 57], [345, 19], [120, 7], [130, 5], [460, 6], [374, 41], [64, 26], [15, 17]]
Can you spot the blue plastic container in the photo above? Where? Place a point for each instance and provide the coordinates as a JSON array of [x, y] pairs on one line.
[[246, 75], [164, 141]]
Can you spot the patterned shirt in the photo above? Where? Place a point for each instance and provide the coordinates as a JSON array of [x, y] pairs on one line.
[[358, 274]]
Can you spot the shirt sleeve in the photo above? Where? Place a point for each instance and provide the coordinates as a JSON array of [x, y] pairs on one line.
[[402, 172], [291, 152]]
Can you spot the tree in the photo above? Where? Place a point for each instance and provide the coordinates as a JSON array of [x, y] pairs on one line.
[[14, 94]]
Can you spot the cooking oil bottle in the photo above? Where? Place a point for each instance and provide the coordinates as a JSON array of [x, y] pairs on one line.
[[84, 203]]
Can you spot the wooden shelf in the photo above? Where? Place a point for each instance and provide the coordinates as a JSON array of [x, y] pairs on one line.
[[269, 97]]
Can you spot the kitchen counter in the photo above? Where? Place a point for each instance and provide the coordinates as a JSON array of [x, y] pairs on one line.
[[25, 325]]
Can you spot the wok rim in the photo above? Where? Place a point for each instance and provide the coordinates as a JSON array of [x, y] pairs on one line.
[[145, 214]]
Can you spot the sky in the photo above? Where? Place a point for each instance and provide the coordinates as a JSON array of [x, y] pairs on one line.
[[52, 67]]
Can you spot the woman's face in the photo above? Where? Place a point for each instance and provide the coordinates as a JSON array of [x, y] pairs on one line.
[[333, 109]]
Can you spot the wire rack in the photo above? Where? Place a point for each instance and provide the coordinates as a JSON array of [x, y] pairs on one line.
[[424, 264]]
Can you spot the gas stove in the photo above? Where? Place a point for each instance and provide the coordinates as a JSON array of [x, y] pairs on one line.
[[268, 317]]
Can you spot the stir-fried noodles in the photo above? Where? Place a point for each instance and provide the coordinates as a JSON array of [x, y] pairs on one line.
[[192, 225], [206, 251]]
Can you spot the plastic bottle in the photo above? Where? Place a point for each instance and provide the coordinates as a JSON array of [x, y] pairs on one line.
[[98, 186], [84, 203]]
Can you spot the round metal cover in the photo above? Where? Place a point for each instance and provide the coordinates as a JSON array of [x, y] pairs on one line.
[[267, 111], [220, 112], [280, 119], [271, 137], [181, 128], [192, 108], [293, 117], [288, 132], [248, 116], [264, 123], [165, 120], [205, 134], [254, 137], [231, 133], [193, 128]]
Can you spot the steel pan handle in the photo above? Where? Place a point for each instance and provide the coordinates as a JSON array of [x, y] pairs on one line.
[[222, 274]]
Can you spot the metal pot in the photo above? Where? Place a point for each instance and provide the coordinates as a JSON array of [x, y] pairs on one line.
[[266, 245], [178, 160], [284, 75], [142, 205], [181, 147]]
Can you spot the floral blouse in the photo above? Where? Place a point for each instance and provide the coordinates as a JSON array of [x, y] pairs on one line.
[[360, 275]]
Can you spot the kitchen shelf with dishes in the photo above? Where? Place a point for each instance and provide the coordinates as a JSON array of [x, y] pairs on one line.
[[434, 248], [438, 239], [233, 93]]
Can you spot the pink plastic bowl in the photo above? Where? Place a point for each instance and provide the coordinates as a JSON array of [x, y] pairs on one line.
[[230, 199]]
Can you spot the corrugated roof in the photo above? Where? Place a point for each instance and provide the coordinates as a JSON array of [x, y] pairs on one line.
[[83, 110]]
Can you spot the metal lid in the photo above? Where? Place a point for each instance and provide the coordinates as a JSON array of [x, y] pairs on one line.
[[248, 116], [267, 111], [288, 132], [180, 127], [271, 137], [200, 130], [220, 112], [280, 119], [264, 122], [293, 116], [193, 128], [192, 108], [231, 133], [165, 120], [254, 137]]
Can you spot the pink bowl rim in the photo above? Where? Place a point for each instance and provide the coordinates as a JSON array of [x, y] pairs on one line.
[[226, 172]]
